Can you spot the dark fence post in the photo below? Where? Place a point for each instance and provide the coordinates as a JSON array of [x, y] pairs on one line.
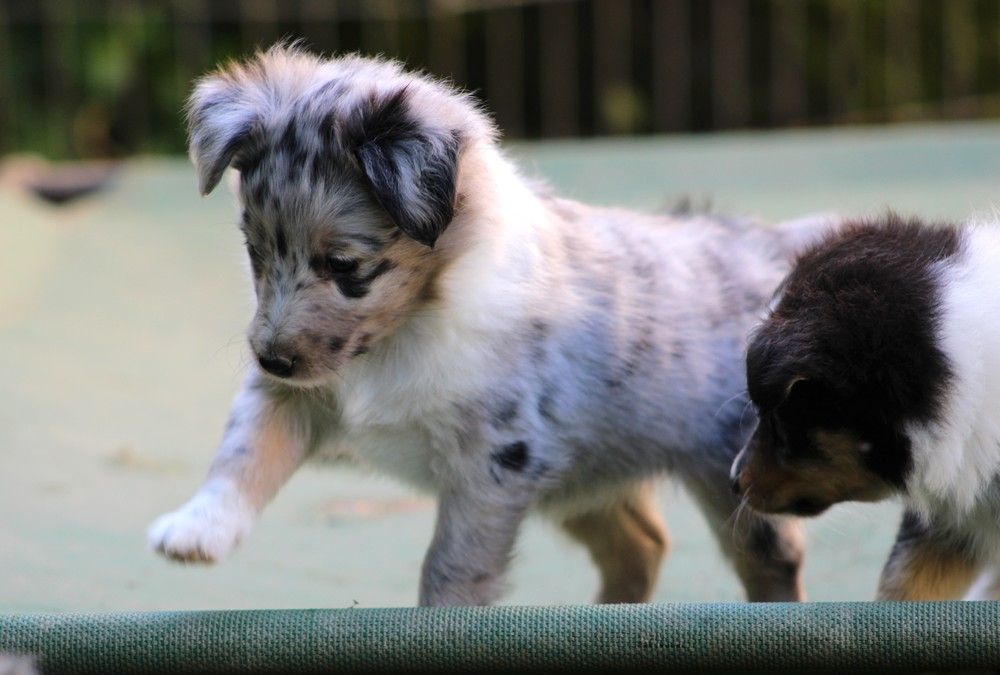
[[847, 67], [671, 43], [559, 77], [903, 81], [959, 57], [789, 103], [505, 68], [730, 64]]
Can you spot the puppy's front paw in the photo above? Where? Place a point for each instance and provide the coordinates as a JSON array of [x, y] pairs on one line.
[[206, 529]]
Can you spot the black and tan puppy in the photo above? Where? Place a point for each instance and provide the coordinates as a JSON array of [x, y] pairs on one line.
[[876, 373]]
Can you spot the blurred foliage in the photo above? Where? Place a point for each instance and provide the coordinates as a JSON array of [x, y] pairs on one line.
[[100, 78]]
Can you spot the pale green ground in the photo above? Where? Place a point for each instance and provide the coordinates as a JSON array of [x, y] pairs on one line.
[[121, 323]]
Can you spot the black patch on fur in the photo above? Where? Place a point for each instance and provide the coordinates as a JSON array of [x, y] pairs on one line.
[[383, 266], [281, 241], [385, 141], [857, 320], [537, 337], [256, 260], [513, 456], [335, 344], [639, 350], [505, 412], [357, 286], [351, 287], [289, 141], [290, 145], [256, 257], [362, 347], [547, 401], [260, 191], [231, 423], [911, 528], [320, 167], [248, 162]]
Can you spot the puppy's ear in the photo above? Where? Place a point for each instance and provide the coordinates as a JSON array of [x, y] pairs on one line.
[[219, 126], [410, 168], [806, 395], [795, 381]]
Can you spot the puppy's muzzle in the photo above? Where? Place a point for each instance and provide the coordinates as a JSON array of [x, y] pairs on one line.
[[277, 364]]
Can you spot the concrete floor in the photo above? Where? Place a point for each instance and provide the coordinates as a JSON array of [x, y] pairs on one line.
[[121, 342]]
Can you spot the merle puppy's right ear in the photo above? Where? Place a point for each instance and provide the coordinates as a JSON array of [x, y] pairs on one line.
[[410, 168], [219, 126]]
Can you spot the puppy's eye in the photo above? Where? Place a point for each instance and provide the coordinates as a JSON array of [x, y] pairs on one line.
[[340, 265]]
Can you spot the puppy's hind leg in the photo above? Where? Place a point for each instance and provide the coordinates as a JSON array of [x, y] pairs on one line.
[[627, 542], [925, 566], [766, 551]]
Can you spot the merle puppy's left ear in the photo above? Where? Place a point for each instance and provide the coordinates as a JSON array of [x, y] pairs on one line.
[[220, 125], [410, 168]]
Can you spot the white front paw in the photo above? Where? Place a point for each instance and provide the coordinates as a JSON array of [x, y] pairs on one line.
[[206, 529]]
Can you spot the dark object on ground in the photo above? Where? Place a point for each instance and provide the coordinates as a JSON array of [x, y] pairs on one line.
[[57, 183]]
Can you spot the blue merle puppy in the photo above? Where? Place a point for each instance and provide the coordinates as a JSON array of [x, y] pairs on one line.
[[424, 310]]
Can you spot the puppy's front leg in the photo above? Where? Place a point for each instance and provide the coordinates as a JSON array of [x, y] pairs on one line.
[[265, 441], [923, 565], [473, 540]]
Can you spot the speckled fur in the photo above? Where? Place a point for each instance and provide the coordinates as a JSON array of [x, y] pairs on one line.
[[521, 352]]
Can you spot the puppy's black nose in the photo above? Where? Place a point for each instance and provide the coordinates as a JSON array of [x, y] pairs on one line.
[[279, 366]]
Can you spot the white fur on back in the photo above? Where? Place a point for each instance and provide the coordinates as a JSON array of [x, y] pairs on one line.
[[956, 458]]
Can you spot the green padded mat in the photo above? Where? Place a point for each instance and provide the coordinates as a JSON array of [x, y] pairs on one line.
[[769, 638], [121, 342]]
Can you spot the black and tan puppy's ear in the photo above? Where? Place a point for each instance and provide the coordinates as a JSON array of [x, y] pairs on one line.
[[800, 380], [220, 125], [410, 168], [806, 394]]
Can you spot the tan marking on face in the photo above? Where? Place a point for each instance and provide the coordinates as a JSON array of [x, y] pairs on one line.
[[309, 319], [416, 268], [835, 474]]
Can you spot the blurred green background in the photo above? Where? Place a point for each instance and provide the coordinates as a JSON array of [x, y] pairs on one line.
[[122, 315], [99, 78]]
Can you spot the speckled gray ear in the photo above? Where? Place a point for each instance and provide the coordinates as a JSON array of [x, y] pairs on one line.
[[219, 125], [411, 170]]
